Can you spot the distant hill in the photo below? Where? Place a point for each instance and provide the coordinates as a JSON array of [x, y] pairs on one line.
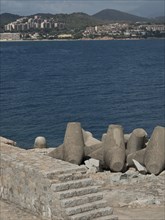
[[6, 18], [78, 20], [74, 20], [112, 15]]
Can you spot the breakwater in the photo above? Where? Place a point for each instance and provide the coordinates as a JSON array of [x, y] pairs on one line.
[[54, 183], [116, 151]]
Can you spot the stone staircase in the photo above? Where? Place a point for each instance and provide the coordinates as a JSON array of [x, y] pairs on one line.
[[50, 188], [80, 198]]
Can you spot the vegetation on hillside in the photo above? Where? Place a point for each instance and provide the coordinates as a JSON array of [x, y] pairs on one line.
[[115, 15]]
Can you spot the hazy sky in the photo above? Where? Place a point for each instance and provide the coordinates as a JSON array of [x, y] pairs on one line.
[[28, 7]]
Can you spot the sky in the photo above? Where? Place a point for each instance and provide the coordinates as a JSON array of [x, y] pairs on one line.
[[146, 8]]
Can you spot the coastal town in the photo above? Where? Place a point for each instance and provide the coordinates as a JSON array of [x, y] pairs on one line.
[[40, 28]]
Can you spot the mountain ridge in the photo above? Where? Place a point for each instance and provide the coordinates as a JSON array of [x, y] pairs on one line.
[[116, 15]]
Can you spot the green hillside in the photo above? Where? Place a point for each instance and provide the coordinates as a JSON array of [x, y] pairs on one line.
[[6, 18], [112, 15]]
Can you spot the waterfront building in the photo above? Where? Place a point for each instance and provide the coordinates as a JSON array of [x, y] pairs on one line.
[[10, 36], [63, 36]]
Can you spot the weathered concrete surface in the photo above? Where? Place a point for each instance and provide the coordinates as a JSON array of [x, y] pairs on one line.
[[7, 141], [89, 140], [136, 141], [58, 152], [98, 155], [114, 148], [132, 189], [138, 155], [26, 180], [154, 158], [88, 150], [74, 143], [154, 213], [126, 138], [40, 142], [10, 211]]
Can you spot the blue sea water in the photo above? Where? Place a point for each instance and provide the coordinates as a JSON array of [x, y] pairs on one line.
[[45, 85]]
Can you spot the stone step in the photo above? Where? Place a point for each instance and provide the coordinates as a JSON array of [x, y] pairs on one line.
[[97, 213], [72, 176], [109, 217], [77, 192], [86, 207], [80, 200], [71, 184], [53, 174]]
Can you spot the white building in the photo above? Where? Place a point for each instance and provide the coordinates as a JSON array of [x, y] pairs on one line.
[[10, 36]]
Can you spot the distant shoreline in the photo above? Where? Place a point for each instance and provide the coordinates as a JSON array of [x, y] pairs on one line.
[[82, 39], [87, 39]]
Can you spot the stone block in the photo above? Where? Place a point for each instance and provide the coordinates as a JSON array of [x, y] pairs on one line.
[[78, 192], [86, 207], [92, 163], [71, 185], [80, 200], [96, 213], [139, 167]]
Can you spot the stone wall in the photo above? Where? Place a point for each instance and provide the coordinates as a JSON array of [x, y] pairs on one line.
[[27, 178], [50, 188]]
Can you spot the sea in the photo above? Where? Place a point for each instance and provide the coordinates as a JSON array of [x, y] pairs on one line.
[[46, 84]]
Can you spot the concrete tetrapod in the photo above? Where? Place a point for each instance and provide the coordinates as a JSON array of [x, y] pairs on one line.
[[138, 155], [114, 148], [57, 153], [136, 141], [89, 140], [40, 142], [73, 143], [154, 158]]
